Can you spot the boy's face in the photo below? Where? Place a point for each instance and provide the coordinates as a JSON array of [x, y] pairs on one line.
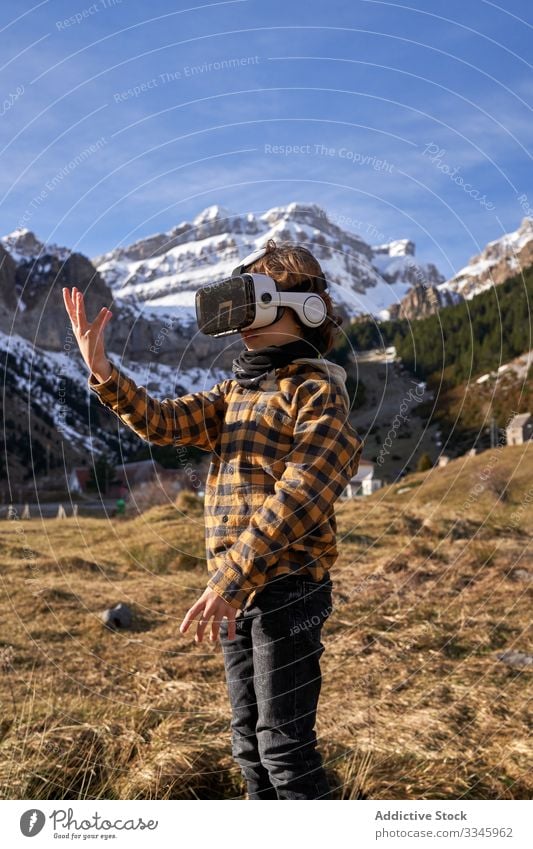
[[281, 332]]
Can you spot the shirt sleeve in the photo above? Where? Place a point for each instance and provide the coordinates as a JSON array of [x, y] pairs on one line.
[[324, 457], [192, 419]]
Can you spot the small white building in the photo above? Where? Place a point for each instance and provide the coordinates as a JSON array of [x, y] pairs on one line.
[[519, 429], [364, 482]]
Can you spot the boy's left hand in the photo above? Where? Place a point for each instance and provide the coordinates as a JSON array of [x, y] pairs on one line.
[[210, 605]]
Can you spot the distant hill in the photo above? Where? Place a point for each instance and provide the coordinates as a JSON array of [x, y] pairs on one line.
[[460, 341], [501, 259]]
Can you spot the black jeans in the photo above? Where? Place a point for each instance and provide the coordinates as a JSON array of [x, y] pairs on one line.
[[274, 680]]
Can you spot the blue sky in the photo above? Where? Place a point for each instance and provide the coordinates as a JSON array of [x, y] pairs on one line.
[[122, 119]]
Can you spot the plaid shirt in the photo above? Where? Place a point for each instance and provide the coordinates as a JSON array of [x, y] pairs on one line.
[[282, 455]]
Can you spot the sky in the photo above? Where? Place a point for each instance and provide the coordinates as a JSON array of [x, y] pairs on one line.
[[121, 119]]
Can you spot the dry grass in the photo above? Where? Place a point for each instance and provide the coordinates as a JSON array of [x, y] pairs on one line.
[[430, 587]]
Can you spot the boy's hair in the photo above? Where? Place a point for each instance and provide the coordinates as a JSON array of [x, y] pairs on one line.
[[290, 264]]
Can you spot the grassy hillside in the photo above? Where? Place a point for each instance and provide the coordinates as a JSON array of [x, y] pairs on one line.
[[432, 584], [464, 412]]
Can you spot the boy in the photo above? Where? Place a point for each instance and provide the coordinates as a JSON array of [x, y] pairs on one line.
[[283, 452]]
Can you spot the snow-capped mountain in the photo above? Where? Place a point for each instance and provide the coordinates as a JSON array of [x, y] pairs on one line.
[[22, 245], [421, 301], [499, 260], [150, 286], [164, 270]]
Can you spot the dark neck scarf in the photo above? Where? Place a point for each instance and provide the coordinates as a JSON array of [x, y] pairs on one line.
[[251, 367]]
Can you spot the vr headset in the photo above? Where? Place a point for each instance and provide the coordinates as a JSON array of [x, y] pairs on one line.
[[249, 301]]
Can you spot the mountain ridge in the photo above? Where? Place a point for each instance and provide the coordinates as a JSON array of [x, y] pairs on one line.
[[37, 342]]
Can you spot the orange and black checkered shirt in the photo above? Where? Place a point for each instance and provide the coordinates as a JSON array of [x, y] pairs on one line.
[[280, 459]]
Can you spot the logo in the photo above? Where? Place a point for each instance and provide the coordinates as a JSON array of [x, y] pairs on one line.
[[32, 822]]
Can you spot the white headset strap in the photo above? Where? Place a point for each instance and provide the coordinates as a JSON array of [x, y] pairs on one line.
[[286, 298], [248, 260]]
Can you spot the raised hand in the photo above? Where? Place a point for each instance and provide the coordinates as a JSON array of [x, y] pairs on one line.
[[89, 336]]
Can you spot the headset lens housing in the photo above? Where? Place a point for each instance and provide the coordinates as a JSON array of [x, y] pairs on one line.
[[225, 307]]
